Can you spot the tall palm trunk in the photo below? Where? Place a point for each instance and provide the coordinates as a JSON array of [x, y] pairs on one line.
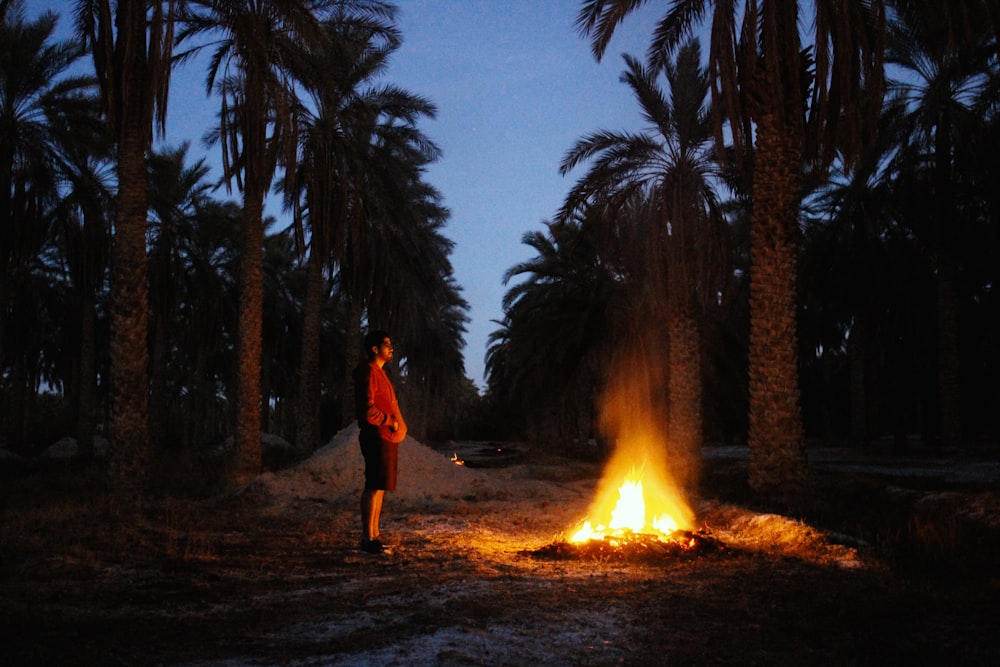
[[6, 241], [307, 418], [129, 322], [129, 428], [685, 398], [248, 356], [684, 379], [777, 446], [247, 463], [159, 402]]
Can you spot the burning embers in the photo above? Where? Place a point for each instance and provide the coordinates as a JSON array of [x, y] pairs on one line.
[[634, 548]]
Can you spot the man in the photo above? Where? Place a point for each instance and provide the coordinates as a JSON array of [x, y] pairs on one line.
[[382, 429]]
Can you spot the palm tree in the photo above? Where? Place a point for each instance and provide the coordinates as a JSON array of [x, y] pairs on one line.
[[421, 302], [559, 323], [392, 260], [260, 51], [389, 210], [686, 262], [851, 281], [206, 320], [85, 217], [132, 46], [331, 174], [790, 110], [946, 56], [176, 193], [43, 111]]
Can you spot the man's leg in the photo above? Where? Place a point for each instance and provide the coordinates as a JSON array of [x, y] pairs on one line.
[[375, 530], [371, 512]]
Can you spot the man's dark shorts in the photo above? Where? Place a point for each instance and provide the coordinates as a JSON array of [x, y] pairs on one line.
[[381, 463]]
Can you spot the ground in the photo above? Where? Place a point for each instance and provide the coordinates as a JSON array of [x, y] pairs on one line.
[[881, 567]]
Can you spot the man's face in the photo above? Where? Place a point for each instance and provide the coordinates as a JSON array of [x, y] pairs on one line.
[[384, 351]]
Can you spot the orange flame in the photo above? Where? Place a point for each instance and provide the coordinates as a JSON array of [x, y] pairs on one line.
[[633, 515], [639, 491], [457, 461]]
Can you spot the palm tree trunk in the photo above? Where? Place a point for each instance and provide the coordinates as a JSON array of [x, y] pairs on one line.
[[684, 376], [7, 238], [247, 463], [777, 446], [158, 402], [248, 454], [129, 362], [307, 417], [685, 405], [129, 428]]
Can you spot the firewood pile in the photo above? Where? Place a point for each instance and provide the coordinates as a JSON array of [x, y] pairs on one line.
[[635, 548]]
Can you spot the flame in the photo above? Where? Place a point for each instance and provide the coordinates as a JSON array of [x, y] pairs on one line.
[[642, 488], [630, 517], [457, 461]]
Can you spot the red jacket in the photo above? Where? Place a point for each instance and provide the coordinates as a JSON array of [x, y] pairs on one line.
[[376, 403]]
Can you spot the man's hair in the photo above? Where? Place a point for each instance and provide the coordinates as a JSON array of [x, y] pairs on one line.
[[374, 338]]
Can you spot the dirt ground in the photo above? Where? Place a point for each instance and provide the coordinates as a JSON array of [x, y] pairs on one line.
[[880, 567]]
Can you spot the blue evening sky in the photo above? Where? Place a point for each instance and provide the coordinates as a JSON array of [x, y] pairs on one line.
[[515, 86]]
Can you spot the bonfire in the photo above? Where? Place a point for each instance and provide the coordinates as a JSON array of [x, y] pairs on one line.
[[639, 508]]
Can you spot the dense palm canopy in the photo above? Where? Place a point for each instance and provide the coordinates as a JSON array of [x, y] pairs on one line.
[[268, 55], [946, 59], [50, 130], [373, 224], [797, 91], [258, 55]]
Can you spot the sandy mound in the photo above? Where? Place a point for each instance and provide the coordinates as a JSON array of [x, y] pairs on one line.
[[335, 472]]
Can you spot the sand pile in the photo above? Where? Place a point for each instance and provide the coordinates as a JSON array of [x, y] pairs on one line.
[[336, 472]]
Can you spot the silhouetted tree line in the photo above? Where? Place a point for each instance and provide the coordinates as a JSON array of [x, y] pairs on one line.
[[802, 241]]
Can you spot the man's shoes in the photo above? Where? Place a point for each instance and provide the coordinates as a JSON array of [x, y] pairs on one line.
[[372, 547]]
